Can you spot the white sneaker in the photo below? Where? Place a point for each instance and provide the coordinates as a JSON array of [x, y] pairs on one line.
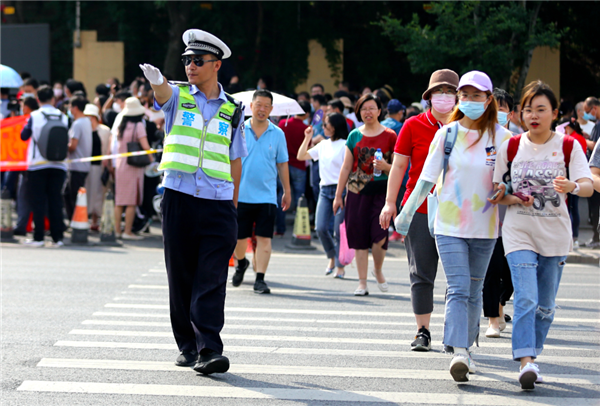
[[58, 244], [130, 237], [384, 287], [530, 373], [33, 243], [472, 366], [492, 333], [459, 368], [575, 245]]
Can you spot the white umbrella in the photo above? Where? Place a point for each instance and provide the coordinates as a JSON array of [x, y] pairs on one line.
[[282, 105], [9, 77]]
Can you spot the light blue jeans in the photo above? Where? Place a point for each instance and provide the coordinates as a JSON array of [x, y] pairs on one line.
[[535, 279], [331, 243], [465, 262]]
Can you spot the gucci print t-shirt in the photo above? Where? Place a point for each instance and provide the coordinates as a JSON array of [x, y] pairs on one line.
[[545, 227], [463, 209]]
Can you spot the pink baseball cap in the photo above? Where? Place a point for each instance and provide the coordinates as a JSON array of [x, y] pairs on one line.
[[476, 79]]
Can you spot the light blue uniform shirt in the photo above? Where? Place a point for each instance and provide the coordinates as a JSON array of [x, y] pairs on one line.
[[199, 184], [259, 176]]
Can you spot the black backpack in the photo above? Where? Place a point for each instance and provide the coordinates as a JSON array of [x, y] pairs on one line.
[[54, 138]]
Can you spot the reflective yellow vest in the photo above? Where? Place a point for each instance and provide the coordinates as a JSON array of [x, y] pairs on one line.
[[191, 144]]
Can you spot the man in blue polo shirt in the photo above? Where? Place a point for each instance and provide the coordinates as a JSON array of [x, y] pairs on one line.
[[267, 155]]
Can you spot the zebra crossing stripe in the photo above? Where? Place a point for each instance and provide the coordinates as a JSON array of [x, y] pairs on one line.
[[313, 395], [352, 372], [323, 351]]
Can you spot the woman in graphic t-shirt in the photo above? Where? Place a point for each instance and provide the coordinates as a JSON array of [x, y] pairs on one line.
[[466, 224], [537, 228], [366, 191], [330, 154]]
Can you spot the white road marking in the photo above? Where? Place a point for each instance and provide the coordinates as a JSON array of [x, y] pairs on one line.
[[351, 372], [298, 394], [348, 340], [547, 359]]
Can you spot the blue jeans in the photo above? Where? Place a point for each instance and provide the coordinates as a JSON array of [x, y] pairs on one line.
[[535, 279], [331, 243], [298, 185], [465, 262]]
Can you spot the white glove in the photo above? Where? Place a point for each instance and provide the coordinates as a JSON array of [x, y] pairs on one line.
[[152, 74]]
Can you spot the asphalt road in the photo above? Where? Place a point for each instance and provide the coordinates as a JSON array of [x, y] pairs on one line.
[[90, 326]]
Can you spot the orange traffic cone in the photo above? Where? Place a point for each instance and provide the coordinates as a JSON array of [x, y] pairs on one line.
[[79, 223], [231, 262]]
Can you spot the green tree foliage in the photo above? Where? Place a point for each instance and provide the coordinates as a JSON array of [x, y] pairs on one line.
[[495, 37]]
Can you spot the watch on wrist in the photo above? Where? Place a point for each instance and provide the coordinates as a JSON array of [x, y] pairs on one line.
[[576, 190]]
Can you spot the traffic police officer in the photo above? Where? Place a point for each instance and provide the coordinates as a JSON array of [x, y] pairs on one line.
[[202, 159]]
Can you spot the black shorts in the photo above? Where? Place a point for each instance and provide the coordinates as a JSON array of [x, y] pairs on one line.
[[263, 214]]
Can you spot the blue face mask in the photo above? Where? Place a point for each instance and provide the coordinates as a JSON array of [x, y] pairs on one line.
[[502, 118], [588, 117], [473, 110]]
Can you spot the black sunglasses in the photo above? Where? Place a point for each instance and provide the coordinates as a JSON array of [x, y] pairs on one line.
[[198, 61]]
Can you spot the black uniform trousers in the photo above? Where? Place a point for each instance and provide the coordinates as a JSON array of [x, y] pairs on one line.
[[199, 237], [44, 194], [497, 286]]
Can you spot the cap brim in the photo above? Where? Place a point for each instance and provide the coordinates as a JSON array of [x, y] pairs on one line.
[[475, 85], [196, 52]]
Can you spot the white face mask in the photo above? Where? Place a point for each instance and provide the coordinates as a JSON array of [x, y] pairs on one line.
[[306, 121], [346, 112], [57, 92], [117, 107]]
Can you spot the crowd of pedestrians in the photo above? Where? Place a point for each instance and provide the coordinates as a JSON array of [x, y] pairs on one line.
[[486, 184]]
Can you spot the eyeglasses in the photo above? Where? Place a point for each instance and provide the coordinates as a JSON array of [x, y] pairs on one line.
[[479, 97], [369, 109], [198, 61], [440, 91]]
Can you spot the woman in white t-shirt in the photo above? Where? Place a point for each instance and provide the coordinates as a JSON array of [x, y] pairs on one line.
[[466, 223], [537, 228], [330, 154]]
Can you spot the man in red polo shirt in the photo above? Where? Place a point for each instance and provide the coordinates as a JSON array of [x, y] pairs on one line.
[[413, 144], [293, 129]]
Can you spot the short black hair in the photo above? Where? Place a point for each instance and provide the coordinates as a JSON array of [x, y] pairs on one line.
[[45, 94], [31, 82], [365, 98], [31, 102], [340, 126], [305, 106], [25, 75], [305, 94], [341, 93], [318, 85], [79, 102], [262, 93], [123, 95], [319, 98], [102, 90], [336, 104], [74, 85], [503, 98], [592, 101]]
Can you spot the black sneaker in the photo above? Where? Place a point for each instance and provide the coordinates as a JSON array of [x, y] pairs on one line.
[[187, 359], [212, 362], [241, 267], [261, 287], [422, 340]]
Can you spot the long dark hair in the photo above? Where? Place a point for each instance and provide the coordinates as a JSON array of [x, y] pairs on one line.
[[340, 126], [128, 119]]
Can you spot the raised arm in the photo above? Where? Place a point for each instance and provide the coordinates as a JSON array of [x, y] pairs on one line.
[[162, 90]]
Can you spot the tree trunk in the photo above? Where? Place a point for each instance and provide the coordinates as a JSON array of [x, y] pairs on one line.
[[179, 16], [529, 55]]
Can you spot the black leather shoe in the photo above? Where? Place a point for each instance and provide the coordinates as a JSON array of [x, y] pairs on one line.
[[187, 359], [238, 277], [211, 363]]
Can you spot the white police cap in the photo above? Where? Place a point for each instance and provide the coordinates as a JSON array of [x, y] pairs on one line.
[[200, 42]]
